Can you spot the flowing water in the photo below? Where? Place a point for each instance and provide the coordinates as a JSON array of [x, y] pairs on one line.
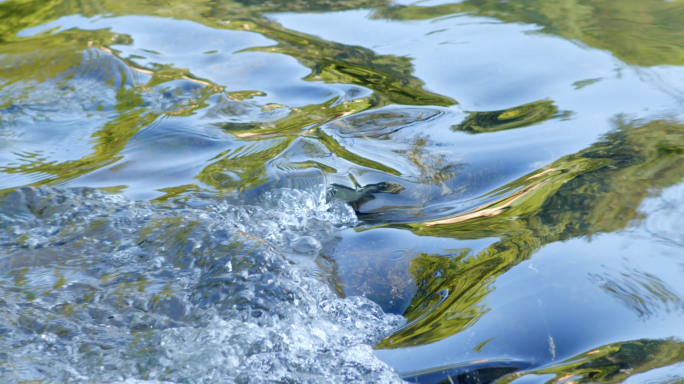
[[316, 191]]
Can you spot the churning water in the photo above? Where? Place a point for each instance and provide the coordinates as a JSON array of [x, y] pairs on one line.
[[98, 288]]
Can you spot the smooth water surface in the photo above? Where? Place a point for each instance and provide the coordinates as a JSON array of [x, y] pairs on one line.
[[261, 191]]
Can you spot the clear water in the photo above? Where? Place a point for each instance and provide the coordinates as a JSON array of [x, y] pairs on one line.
[[341, 191]]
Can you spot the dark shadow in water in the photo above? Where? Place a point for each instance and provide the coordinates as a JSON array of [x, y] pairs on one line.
[[481, 372], [358, 196]]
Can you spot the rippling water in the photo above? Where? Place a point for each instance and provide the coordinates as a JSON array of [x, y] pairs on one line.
[[341, 191]]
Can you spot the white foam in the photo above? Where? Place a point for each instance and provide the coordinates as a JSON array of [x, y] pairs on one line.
[[113, 290]]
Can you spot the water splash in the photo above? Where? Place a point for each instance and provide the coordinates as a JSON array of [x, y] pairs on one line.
[[99, 288]]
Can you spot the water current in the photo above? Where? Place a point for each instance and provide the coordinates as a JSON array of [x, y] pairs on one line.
[[319, 191]]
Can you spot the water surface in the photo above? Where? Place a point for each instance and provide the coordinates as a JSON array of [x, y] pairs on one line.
[[261, 191]]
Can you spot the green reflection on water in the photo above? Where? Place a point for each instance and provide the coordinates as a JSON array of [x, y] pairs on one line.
[[638, 32], [612, 363], [518, 117], [388, 76], [597, 190]]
